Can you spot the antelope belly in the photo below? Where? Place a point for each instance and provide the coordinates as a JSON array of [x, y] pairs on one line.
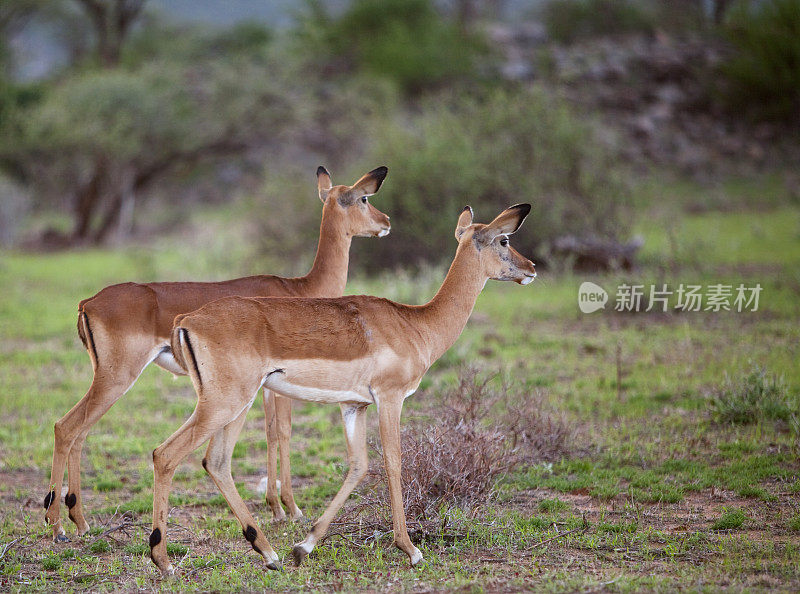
[[278, 382]]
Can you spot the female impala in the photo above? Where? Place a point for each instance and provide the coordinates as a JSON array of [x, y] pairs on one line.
[[354, 351], [126, 327]]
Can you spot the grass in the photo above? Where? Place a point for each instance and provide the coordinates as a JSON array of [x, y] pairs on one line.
[[731, 519], [659, 491]]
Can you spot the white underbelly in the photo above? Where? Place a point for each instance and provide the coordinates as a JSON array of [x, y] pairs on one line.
[[278, 383], [165, 360]]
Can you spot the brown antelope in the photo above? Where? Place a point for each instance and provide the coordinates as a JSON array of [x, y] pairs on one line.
[[354, 351], [126, 327]]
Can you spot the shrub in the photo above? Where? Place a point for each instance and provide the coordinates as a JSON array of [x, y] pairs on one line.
[[480, 434], [570, 20], [407, 41], [492, 151], [753, 397], [762, 76]]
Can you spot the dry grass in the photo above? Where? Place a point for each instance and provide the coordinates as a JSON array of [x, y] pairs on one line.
[[475, 433]]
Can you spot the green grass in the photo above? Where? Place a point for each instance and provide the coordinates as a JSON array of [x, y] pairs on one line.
[[657, 492], [731, 519]]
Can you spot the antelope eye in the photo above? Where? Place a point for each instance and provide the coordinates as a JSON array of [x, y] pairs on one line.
[[364, 199], [504, 242]]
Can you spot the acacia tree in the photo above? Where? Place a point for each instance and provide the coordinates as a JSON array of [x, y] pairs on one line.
[[96, 140], [101, 139], [112, 21]]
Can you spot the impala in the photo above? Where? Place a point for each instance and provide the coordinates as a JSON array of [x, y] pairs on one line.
[[354, 351], [126, 327]]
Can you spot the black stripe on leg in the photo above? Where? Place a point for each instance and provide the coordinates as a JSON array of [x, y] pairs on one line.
[[191, 354], [49, 498], [155, 537], [250, 535], [70, 500], [91, 336]]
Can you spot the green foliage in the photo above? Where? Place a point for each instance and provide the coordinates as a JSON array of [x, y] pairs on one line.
[[570, 20], [407, 41], [160, 41], [762, 76], [100, 546], [730, 519], [755, 396], [490, 152], [51, 562], [552, 505]]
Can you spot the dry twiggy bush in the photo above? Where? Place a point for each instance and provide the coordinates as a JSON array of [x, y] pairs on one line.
[[474, 434]]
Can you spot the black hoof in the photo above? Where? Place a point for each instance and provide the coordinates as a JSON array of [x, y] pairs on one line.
[[274, 566], [61, 538], [298, 554]]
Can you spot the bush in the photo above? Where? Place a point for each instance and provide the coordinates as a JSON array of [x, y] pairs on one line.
[[753, 397], [479, 435], [570, 20], [407, 41], [490, 152], [762, 76]]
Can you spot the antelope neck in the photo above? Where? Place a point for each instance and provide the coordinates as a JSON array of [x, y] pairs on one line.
[[444, 317], [328, 274]]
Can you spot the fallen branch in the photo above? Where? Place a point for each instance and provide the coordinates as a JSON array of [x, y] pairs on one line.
[[8, 547], [124, 526]]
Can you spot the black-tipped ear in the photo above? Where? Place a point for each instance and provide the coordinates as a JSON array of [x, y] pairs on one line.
[[508, 221], [324, 183], [464, 221], [371, 182]]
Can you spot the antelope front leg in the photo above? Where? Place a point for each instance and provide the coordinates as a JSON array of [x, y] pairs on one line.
[[389, 420], [355, 431], [217, 463]]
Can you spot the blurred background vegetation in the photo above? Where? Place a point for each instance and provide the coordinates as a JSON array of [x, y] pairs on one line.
[[128, 121]]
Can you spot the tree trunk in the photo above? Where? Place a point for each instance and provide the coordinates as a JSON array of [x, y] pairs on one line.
[[87, 199], [720, 7], [118, 209], [112, 21]]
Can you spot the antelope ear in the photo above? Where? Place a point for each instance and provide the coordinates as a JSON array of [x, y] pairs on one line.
[[508, 221], [464, 221], [323, 182], [370, 182]]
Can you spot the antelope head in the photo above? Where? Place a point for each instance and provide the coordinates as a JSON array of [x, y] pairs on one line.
[[498, 260], [349, 205]]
